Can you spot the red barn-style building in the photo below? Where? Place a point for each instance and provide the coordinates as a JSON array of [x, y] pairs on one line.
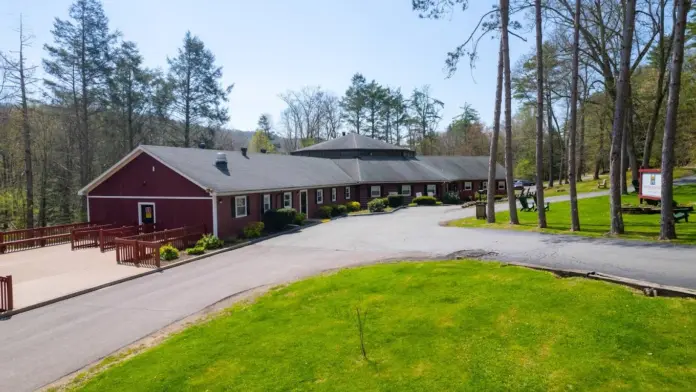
[[225, 190]]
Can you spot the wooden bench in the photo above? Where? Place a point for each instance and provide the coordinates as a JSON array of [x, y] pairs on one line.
[[602, 184]]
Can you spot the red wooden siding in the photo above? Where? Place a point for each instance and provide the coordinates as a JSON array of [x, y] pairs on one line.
[[137, 178], [169, 213]]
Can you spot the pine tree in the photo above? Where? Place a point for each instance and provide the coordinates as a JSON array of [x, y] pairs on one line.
[[265, 124], [79, 64], [375, 96], [198, 93], [354, 103]]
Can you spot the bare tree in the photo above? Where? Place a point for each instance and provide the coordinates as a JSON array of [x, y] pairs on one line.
[[305, 118], [574, 216], [332, 116], [492, 158], [667, 229], [20, 79], [615, 164], [509, 164]]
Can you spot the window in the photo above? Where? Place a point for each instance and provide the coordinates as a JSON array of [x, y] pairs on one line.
[[430, 189], [240, 206], [375, 191], [501, 185], [467, 185], [266, 202], [484, 185], [406, 190], [320, 196], [287, 200], [333, 194], [347, 193]]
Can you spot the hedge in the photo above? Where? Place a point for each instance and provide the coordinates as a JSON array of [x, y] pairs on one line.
[[451, 198], [253, 230], [425, 201], [276, 220], [376, 205], [353, 206], [395, 200], [325, 212]]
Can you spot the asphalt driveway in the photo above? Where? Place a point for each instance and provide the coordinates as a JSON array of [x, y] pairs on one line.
[[42, 345]]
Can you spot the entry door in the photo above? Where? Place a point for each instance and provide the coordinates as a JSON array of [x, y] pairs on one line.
[[303, 202], [146, 213]]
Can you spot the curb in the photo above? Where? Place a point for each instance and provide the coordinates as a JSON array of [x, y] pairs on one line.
[[649, 288], [6, 315], [374, 213]]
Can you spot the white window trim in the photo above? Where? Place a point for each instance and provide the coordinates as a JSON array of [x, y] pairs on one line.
[[468, 185], [347, 193], [406, 187], [320, 196], [484, 185], [287, 201], [427, 192], [246, 208], [333, 194], [501, 185], [266, 198], [140, 212], [372, 191]]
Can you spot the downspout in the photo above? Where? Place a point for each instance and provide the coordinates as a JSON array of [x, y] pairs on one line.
[[215, 213]]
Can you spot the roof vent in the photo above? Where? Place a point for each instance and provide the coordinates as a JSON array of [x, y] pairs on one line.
[[221, 159], [244, 151], [201, 145], [263, 151]]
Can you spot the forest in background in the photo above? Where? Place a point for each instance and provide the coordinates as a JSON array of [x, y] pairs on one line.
[[96, 101]]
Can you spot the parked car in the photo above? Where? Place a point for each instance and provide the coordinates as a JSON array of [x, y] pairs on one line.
[[520, 184]]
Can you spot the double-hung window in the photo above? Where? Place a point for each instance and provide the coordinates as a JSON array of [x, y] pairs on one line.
[[347, 193], [501, 185], [320, 196], [467, 185], [240, 206], [406, 190], [287, 200], [266, 202], [333, 194], [484, 185], [375, 191], [430, 189]]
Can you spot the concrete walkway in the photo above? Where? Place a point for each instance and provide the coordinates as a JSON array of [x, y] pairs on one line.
[[42, 345]]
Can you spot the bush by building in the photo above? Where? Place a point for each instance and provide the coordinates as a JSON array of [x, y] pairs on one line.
[[253, 230]]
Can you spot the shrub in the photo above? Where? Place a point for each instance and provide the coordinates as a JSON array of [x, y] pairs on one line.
[[376, 205], [276, 220], [438, 203], [325, 212], [253, 230], [338, 210], [425, 201], [395, 201], [195, 251], [412, 204], [300, 219], [353, 206], [451, 198], [209, 241], [168, 252]]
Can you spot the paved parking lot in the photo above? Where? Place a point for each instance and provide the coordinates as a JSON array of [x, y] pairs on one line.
[[45, 273]]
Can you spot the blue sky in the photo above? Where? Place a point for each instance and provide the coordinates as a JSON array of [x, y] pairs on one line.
[[267, 47]]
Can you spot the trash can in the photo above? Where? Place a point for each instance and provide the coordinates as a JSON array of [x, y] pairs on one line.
[[481, 210]]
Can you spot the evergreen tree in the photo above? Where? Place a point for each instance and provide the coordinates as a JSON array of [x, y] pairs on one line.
[[375, 96], [198, 94], [265, 124], [400, 119], [354, 103], [78, 65]]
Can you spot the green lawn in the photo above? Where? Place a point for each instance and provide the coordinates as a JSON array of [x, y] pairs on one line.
[[438, 326], [590, 185], [595, 219]]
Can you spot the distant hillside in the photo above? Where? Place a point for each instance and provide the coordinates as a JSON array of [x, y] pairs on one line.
[[233, 139]]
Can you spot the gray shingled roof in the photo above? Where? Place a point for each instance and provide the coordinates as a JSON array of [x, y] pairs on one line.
[[462, 168], [353, 141], [254, 172]]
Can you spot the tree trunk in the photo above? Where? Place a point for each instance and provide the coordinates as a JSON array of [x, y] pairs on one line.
[[581, 143], [541, 216], [660, 88], [26, 135], [549, 124], [667, 228], [509, 164], [617, 225], [86, 149], [624, 154], [492, 159], [574, 216]]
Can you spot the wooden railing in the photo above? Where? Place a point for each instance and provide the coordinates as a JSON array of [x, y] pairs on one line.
[[107, 237], [86, 237], [16, 240], [6, 300], [145, 248]]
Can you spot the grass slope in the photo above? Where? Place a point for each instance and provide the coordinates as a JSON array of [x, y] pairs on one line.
[[590, 185], [595, 219], [439, 326]]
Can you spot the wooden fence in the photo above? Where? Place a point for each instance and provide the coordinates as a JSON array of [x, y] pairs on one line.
[[16, 240], [6, 300], [145, 248], [88, 237]]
